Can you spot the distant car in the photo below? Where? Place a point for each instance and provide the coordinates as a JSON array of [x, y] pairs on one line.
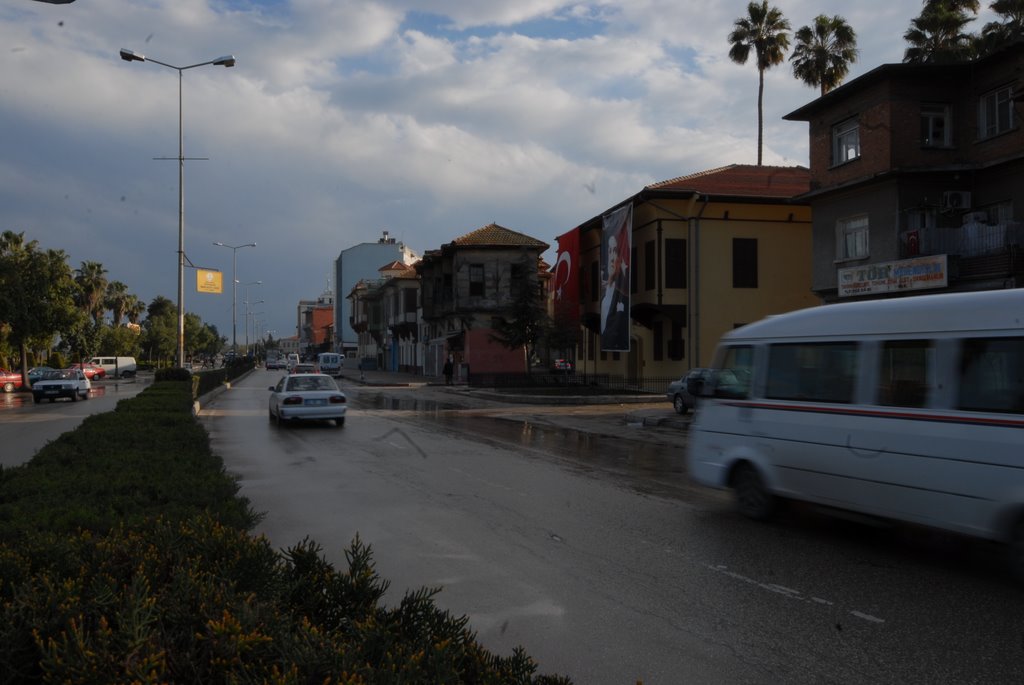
[[680, 392], [10, 380], [91, 371], [275, 363], [36, 373], [71, 383], [303, 367], [563, 365], [307, 396]]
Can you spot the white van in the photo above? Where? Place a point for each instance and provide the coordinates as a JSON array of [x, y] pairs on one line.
[[292, 361], [123, 367], [909, 409], [329, 363]]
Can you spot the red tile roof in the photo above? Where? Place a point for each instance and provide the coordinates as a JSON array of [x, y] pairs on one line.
[[743, 180], [493, 235]]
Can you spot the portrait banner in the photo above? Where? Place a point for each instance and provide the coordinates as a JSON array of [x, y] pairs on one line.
[[616, 237]]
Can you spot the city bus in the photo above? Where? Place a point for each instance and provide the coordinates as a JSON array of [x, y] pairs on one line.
[[908, 409]]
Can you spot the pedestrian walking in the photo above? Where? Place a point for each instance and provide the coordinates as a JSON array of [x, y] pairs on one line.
[[449, 370]]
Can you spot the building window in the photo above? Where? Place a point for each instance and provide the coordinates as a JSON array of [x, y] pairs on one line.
[[995, 113], [852, 238], [516, 280], [650, 265], [936, 127], [476, 280], [744, 262], [410, 300], [675, 263], [845, 142]]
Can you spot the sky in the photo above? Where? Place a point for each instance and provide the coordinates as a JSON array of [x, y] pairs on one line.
[[346, 118]]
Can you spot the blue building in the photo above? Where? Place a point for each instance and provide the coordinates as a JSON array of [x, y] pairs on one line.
[[361, 262]]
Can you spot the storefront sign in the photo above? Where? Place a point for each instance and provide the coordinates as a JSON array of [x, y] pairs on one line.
[[919, 273]]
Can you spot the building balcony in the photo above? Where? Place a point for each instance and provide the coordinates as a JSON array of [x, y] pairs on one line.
[[975, 250]]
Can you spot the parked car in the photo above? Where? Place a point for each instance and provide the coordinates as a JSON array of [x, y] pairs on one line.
[[307, 396], [563, 365], [681, 393], [91, 371], [71, 383], [10, 380], [116, 367], [36, 373]]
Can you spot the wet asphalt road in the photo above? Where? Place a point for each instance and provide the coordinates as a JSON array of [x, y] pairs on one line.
[[590, 549]]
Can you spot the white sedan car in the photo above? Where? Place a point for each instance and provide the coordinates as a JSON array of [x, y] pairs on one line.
[[71, 383], [301, 396]]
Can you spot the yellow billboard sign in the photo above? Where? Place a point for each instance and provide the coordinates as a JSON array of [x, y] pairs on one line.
[[209, 281]]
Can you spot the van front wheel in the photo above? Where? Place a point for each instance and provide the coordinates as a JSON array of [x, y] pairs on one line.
[[752, 498]]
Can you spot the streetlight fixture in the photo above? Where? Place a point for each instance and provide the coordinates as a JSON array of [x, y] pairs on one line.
[[247, 315], [234, 296], [225, 61]]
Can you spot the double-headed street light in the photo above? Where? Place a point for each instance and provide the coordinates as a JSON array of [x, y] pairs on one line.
[[226, 61], [234, 297]]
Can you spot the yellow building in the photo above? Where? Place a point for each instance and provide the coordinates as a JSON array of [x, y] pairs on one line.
[[708, 252]]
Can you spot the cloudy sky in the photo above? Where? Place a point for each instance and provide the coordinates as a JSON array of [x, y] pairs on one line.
[[345, 118]]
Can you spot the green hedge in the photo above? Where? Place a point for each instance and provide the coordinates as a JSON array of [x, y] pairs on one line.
[[125, 556]]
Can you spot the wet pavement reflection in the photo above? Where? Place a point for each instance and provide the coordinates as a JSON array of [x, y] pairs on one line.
[[650, 468]]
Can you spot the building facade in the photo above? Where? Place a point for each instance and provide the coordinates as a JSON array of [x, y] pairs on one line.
[[709, 252], [360, 262], [917, 179], [466, 286]]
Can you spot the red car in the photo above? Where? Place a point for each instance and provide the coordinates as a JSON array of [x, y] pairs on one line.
[[91, 371], [9, 380]]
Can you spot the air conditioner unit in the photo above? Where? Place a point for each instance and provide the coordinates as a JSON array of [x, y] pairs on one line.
[[956, 200]]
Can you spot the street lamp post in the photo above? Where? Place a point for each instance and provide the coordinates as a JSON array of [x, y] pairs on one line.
[[226, 61], [234, 296], [247, 315]]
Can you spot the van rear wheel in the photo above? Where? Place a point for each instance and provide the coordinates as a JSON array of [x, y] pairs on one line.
[[752, 497]]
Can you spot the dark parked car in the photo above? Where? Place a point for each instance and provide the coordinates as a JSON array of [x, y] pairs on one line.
[[681, 392]]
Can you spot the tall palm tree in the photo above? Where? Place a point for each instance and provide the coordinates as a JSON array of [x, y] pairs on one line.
[[92, 283], [823, 52], [134, 308], [116, 300], [938, 34], [997, 34], [763, 30]]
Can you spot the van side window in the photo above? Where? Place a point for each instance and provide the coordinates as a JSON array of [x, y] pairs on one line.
[[734, 371], [992, 375], [906, 373], [812, 372]]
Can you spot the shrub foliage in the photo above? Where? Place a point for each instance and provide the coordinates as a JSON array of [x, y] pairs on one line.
[[125, 556]]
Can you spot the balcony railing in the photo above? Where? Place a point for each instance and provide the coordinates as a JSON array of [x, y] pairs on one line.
[[969, 240]]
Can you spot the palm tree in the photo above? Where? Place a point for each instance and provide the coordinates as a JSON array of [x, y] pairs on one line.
[[92, 283], [134, 308], [115, 299], [938, 35], [823, 52], [997, 34], [763, 30]]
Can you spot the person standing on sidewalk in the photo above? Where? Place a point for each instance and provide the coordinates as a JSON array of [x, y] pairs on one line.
[[449, 369]]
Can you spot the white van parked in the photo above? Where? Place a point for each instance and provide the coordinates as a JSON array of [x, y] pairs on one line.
[[329, 363], [123, 367], [909, 409]]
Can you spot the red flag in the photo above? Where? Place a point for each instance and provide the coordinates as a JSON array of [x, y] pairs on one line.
[[566, 277]]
